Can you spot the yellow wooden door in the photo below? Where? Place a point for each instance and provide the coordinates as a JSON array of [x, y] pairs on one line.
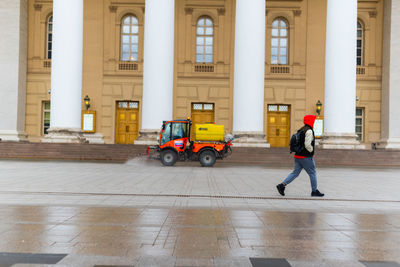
[[121, 127], [278, 133], [202, 113], [127, 129], [132, 125]]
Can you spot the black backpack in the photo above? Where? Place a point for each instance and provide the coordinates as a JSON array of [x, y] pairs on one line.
[[297, 142]]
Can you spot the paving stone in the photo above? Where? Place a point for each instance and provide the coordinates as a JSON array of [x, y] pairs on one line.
[[232, 262], [325, 263], [160, 261], [184, 262], [75, 260], [380, 264]]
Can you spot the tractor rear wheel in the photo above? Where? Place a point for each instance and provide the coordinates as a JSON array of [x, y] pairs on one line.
[[169, 157], [207, 158]]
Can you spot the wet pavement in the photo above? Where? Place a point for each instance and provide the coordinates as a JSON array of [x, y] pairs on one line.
[[198, 237], [142, 214]]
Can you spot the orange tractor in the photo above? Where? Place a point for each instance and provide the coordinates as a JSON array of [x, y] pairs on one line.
[[175, 143]]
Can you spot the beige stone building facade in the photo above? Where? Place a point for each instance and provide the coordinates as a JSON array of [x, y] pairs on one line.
[[203, 72]]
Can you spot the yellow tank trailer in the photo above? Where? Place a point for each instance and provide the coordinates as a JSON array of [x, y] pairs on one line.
[[209, 132]]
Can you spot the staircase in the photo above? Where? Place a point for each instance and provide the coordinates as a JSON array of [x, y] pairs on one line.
[[275, 157]]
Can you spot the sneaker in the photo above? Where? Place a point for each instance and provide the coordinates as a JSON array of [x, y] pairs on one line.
[[316, 193], [281, 189]]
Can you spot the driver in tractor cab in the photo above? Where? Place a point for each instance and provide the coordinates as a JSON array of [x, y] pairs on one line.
[[178, 131]]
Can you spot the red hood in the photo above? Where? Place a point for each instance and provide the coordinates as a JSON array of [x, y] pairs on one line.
[[309, 120]]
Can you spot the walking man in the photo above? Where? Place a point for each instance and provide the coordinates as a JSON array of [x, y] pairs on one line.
[[304, 158]]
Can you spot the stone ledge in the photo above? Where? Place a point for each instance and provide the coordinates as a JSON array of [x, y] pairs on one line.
[[148, 137], [94, 138], [389, 144], [340, 141], [13, 136], [64, 135], [250, 139]]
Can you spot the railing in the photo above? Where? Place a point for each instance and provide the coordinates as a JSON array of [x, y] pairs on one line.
[[279, 69], [203, 68], [360, 71], [47, 63], [128, 66]]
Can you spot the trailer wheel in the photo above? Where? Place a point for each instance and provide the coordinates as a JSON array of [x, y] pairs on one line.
[[207, 158], [169, 157]]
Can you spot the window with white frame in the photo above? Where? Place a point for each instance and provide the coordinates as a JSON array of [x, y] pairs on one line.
[[204, 40], [129, 38], [49, 37], [360, 124], [360, 43], [279, 42], [203, 106], [46, 117]]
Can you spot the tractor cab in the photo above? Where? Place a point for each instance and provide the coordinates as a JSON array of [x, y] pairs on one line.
[[175, 134]]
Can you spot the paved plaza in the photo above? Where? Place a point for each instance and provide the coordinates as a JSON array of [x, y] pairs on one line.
[[143, 214]]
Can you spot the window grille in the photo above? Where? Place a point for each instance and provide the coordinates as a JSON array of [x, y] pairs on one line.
[[272, 107], [283, 108], [122, 104], [197, 106], [129, 38], [279, 42], [133, 105], [128, 104], [203, 106], [208, 106], [204, 40]]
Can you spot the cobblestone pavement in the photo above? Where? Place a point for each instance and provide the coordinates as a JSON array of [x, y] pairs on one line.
[[143, 214]]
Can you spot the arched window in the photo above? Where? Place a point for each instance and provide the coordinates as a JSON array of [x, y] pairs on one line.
[[204, 40], [279, 41], [129, 38], [49, 37], [360, 43]]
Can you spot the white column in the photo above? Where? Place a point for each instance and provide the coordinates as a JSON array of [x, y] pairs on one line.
[[249, 73], [340, 75], [158, 68], [13, 58], [390, 77], [66, 71]]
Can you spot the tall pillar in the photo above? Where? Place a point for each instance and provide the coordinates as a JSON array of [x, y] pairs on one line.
[[13, 64], [66, 72], [390, 125], [158, 68], [340, 75], [249, 73]]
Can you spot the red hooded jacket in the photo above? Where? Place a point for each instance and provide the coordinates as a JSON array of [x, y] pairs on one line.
[[308, 120]]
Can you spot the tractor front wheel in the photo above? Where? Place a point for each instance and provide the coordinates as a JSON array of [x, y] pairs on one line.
[[169, 157], [207, 158]]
